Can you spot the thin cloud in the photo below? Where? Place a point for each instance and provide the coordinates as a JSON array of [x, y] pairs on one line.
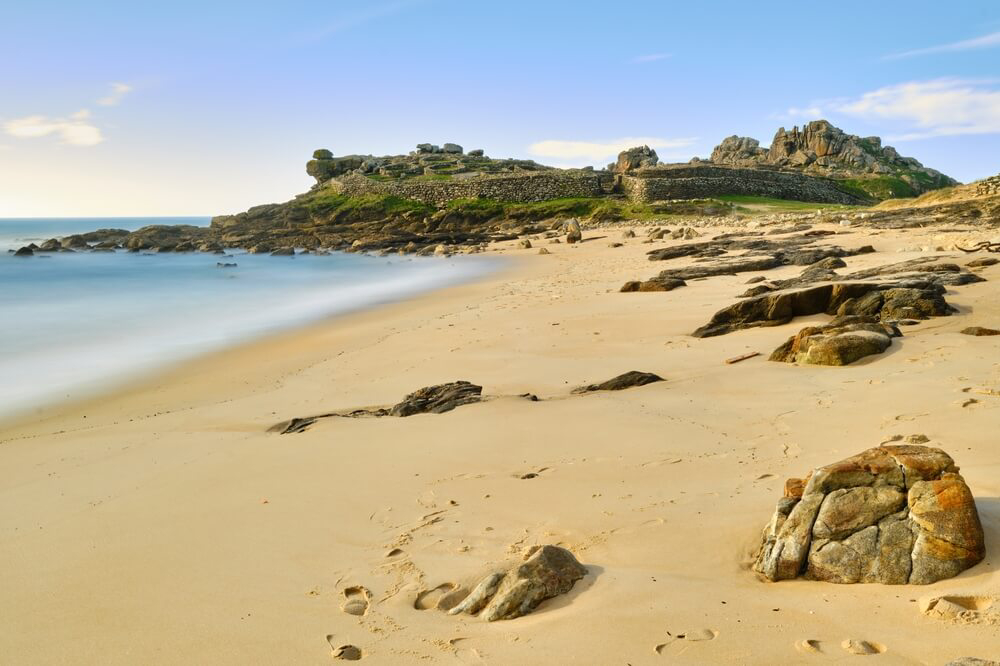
[[599, 150], [941, 107], [358, 18], [985, 42], [118, 92], [794, 113], [77, 130], [651, 57]]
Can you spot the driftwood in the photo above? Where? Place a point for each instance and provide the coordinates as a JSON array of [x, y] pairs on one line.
[[986, 246], [742, 357]]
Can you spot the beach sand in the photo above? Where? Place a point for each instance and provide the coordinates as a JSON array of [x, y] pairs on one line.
[[162, 524]]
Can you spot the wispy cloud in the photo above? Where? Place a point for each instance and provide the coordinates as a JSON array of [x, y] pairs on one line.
[[357, 18], [76, 130], [985, 42], [118, 92], [941, 107], [599, 150], [650, 57], [812, 112]]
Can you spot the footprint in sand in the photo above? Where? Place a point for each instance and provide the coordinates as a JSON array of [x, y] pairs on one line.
[[862, 648], [346, 652], [970, 609], [696, 636], [356, 600], [809, 646], [443, 597]]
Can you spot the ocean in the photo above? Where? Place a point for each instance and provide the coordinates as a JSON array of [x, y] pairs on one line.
[[72, 324]]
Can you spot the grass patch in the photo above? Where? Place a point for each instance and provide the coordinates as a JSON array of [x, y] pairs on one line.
[[334, 207], [749, 203], [878, 187]]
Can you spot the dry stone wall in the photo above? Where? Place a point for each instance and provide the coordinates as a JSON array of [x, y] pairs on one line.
[[704, 181], [521, 187], [989, 187]]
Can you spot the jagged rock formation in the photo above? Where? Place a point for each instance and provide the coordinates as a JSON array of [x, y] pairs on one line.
[[634, 158], [823, 149], [894, 514]]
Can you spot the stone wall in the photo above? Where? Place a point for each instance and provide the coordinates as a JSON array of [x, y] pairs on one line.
[[516, 187], [705, 181], [988, 187]]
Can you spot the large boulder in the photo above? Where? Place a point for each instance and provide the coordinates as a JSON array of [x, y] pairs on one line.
[[841, 342], [894, 514], [635, 158]]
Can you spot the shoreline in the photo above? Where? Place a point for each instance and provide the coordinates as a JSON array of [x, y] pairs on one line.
[[169, 524]]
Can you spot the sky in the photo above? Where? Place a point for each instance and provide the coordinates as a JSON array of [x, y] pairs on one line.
[[194, 108]]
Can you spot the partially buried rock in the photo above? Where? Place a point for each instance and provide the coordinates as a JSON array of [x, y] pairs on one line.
[[547, 571], [985, 261], [656, 284], [525, 244], [627, 380], [894, 514], [841, 342], [979, 331], [573, 231], [438, 399]]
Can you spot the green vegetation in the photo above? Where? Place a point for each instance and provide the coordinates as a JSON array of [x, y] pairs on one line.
[[594, 208], [878, 187], [747, 203]]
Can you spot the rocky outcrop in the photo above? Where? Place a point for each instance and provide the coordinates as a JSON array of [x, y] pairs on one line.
[[894, 514], [634, 158], [988, 187], [913, 299], [823, 149], [841, 342], [627, 380], [546, 572]]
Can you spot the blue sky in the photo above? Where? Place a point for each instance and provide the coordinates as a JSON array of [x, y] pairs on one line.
[[125, 108]]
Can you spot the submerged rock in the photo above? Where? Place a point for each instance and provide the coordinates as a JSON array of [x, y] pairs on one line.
[[547, 571], [894, 514], [624, 381]]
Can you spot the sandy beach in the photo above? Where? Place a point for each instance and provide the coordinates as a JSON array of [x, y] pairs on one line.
[[163, 524]]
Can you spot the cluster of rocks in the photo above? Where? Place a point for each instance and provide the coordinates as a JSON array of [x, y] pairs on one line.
[[894, 514], [427, 159], [821, 148], [988, 187]]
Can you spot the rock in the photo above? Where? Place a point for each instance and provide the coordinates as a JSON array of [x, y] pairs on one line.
[[985, 261], [547, 571], [841, 342], [628, 233], [616, 245], [979, 331], [624, 381], [284, 252], [543, 251], [452, 148], [438, 399], [972, 661], [655, 284], [894, 514], [635, 158], [525, 244], [920, 300], [225, 265], [51, 245], [573, 231], [24, 252], [478, 152], [322, 154]]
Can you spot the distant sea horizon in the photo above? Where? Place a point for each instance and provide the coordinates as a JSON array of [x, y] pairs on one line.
[[81, 322]]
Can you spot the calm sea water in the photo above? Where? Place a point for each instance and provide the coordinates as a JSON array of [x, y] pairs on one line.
[[73, 323]]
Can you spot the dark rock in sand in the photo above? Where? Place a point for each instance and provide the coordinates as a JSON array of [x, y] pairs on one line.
[[627, 380], [895, 514], [438, 399], [841, 342], [655, 284], [904, 300], [985, 261], [979, 331]]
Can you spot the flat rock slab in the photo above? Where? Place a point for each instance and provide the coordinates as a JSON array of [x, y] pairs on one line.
[[624, 381], [980, 331], [894, 514]]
